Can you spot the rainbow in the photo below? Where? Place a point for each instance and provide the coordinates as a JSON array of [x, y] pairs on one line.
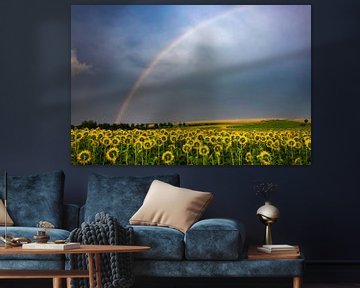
[[155, 61]]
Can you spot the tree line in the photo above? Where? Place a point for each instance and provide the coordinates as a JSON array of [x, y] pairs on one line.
[[91, 124]]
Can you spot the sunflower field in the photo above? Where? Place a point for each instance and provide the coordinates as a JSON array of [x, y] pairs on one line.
[[191, 146]]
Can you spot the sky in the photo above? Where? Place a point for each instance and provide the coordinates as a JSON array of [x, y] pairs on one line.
[[179, 63]]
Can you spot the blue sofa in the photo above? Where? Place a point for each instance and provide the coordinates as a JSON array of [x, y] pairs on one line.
[[210, 248]]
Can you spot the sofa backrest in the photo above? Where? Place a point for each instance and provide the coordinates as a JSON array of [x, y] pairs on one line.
[[35, 198], [120, 196]]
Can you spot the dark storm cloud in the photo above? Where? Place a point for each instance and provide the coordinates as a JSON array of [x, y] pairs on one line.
[[212, 62]]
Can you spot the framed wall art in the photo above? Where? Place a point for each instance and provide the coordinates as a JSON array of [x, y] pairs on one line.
[[191, 85]]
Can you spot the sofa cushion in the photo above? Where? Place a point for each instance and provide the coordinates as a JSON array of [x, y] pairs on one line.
[[214, 239], [165, 243], [119, 196], [9, 221], [221, 269], [35, 198], [170, 206], [29, 232]]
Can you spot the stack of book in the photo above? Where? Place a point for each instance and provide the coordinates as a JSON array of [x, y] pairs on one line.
[[282, 251], [279, 249]]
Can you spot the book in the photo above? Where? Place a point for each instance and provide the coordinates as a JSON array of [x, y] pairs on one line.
[[276, 249], [51, 246], [255, 254]]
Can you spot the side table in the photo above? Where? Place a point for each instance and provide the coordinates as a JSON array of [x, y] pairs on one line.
[[288, 259]]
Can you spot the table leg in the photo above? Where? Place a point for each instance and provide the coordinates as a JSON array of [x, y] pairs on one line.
[[57, 283], [98, 270], [68, 282], [297, 282], [91, 270]]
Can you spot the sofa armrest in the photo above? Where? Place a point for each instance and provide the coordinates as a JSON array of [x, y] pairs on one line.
[[70, 216], [215, 239]]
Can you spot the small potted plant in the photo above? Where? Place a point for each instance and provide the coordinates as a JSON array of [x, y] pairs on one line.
[[265, 190]]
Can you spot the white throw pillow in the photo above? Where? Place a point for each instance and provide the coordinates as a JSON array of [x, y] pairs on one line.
[[170, 206]]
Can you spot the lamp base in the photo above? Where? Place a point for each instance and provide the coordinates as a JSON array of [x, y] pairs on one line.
[[268, 237]]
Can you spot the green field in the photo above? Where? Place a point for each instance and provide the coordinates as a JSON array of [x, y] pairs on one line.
[[271, 124]]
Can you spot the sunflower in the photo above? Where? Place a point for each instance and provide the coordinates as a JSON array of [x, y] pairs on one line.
[[204, 150], [269, 143], [186, 148], [264, 158], [226, 140], [106, 141], [159, 142], [308, 143], [100, 135], [291, 143], [248, 157], [298, 144], [74, 144], [138, 145], [243, 140], [116, 141], [218, 148], [142, 138], [168, 157], [200, 137], [236, 137], [79, 135], [257, 138], [84, 157], [298, 161], [112, 154], [196, 144], [73, 134], [276, 145], [148, 144], [213, 140], [129, 139]]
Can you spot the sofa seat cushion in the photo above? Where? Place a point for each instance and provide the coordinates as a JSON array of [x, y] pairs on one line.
[[120, 196], [29, 232], [166, 243], [214, 239]]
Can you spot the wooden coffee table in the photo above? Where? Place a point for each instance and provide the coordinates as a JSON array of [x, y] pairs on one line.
[[93, 251]]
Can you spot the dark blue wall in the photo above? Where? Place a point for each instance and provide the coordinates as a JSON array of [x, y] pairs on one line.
[[318, 203]]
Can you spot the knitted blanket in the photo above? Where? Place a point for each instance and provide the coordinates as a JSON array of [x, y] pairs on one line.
[[116, 268]]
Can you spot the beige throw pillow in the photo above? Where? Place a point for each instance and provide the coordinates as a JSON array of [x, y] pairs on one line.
[[9, 221], [170, 206]]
